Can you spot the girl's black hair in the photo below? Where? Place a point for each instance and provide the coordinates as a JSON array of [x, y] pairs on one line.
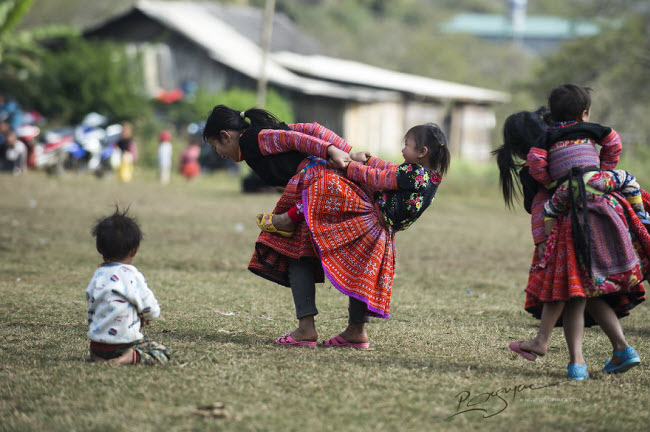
[[567, 102], [117, 235], [223, 118], [430, 136], [520, 132]]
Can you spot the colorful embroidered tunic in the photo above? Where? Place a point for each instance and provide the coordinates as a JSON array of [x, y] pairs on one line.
[[619, 242], [404, 191], [353, 220], [290, 157], [276, 154], [572, 144]]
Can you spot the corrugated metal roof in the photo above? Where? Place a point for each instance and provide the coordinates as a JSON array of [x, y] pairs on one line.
[[352, 72], [248, 21], [225, 45], [541, 27]]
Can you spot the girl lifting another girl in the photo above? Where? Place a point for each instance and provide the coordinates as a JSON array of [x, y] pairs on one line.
[[296, 156], [573, 278], [280, 155], [353, 219]]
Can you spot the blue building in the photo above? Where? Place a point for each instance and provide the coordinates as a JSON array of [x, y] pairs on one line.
[[538, 34]]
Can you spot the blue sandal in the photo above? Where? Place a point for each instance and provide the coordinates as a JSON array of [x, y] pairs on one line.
[[628, 357], [577, 372]]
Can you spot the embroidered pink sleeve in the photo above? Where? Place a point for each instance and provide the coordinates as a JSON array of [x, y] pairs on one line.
[[375, 162], [538, 165], [321, 132], [610, 151], [537, 219], [273, 141], [376, 178]]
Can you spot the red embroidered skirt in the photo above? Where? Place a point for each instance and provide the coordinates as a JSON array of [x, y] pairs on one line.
[[272, 250], [356, 246], [620, 255]]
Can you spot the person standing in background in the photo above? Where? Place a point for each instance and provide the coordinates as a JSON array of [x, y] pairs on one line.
[[129, 152], [164, 156], [190, 166]]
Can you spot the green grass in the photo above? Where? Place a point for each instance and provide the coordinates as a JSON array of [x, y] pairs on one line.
[[457, 303]]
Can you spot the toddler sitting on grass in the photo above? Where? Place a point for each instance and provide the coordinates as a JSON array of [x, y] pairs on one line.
[[119, 300]]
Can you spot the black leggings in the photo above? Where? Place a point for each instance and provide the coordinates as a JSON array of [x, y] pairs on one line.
[[303, 289]]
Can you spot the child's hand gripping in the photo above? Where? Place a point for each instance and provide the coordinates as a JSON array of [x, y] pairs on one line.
[[337, 157], [361, 156]]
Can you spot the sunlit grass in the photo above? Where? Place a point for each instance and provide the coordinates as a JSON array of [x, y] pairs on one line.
[[457, 302]]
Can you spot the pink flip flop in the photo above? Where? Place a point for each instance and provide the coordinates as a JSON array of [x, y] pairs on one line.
[[286, 339], [338, 341], [516, 347]]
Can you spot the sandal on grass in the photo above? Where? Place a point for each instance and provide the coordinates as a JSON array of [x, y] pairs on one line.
[[339, 342], [286, 339], [577, 372], [265, 222], [516, 347], [628, 358]]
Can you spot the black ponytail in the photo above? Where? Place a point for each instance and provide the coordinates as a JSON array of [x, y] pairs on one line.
[[262, 118], [431, 136], [508, 169], [223, 118], [520, 132]]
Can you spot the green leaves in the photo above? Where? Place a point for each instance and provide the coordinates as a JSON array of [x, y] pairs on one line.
[[20, 52], [88, 76], [616, 65], [11, 13]]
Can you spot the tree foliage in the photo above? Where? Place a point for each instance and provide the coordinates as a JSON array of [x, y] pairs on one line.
[[20, 51], [619, 77], [198, 105], [89, 76]]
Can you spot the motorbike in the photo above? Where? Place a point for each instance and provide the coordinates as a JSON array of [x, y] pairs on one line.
[[50, 151], [94, 149]]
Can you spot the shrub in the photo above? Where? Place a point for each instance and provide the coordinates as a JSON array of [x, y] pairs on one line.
[[83, 76]]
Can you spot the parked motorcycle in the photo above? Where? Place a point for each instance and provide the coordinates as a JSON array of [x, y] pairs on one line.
[[50, 152], [93, 149]]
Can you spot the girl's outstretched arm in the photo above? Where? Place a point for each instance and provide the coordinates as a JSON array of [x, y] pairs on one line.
[[273, 141], [375, 162], [322, 133], [378, 178]]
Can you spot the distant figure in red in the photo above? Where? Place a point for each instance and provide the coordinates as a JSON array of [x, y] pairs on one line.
[[190, 167]]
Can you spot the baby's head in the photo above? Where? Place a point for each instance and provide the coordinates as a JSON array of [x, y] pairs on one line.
[[569, 102], [431, 136], [118, 236]]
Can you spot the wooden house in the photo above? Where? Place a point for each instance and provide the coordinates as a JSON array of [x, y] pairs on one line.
[[217, 47]]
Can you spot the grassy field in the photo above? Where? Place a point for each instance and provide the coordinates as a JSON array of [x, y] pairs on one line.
[[457, 303]]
